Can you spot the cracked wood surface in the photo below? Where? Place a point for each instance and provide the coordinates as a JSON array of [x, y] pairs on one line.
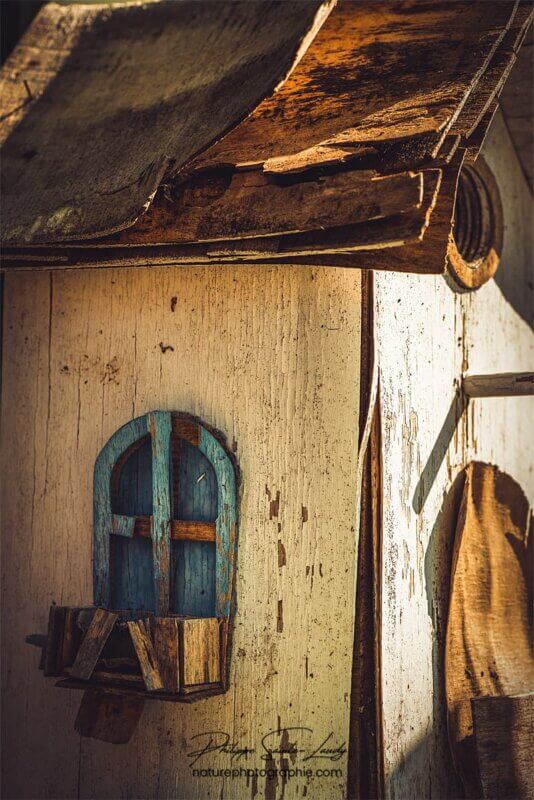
[[372, 74], [270, 356], [427, 336]]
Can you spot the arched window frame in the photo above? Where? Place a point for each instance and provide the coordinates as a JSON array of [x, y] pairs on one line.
[[161, 426]]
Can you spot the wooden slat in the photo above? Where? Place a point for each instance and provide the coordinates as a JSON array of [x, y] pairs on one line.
[[108, 717], [199, 653], [54, 641], [504, 734], [145, 653], [71, 638], [505, 384], [226, 523], [184, 530], [119, 443], [165, 635], [93, 643]]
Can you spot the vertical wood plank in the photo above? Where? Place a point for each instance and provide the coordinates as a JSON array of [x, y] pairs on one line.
[[165, 635], [132, 575], [159, 425], [93, 643], [200, 653], [144, 649]]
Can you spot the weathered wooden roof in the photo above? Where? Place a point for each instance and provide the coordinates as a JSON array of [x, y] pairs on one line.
[[100, 101], [191, 131]]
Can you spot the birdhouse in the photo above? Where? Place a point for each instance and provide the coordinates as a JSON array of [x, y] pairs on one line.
[[267, 336]]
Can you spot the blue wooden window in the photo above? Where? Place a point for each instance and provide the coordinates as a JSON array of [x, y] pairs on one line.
[[164, 519]]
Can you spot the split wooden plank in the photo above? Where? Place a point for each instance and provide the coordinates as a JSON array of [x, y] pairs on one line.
[[505, 384], [145, 653], [226, 204], [93, 643], [166, 647], [200, 652], [108, 717], [489, 630], [504, 732]]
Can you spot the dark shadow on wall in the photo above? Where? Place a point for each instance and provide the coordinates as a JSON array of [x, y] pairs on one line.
[[517, 285], [439, 451]]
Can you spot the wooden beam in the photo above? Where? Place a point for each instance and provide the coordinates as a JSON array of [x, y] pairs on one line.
[[93, 643], [505, 384]]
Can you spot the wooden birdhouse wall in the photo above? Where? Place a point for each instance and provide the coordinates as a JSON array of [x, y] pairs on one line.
[[271, 357], [427, 337]]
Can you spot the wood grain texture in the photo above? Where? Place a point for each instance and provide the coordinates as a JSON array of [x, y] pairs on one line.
[[144, 648], [504, 731], [159, 424], [140, 89], [361, 80], [226, 522], [234, 205], [511, 384], [279, 374], [492, 81], [93, 643], [181, 530], [165, 638], [489, 625], [200, 651], [427, 337]]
